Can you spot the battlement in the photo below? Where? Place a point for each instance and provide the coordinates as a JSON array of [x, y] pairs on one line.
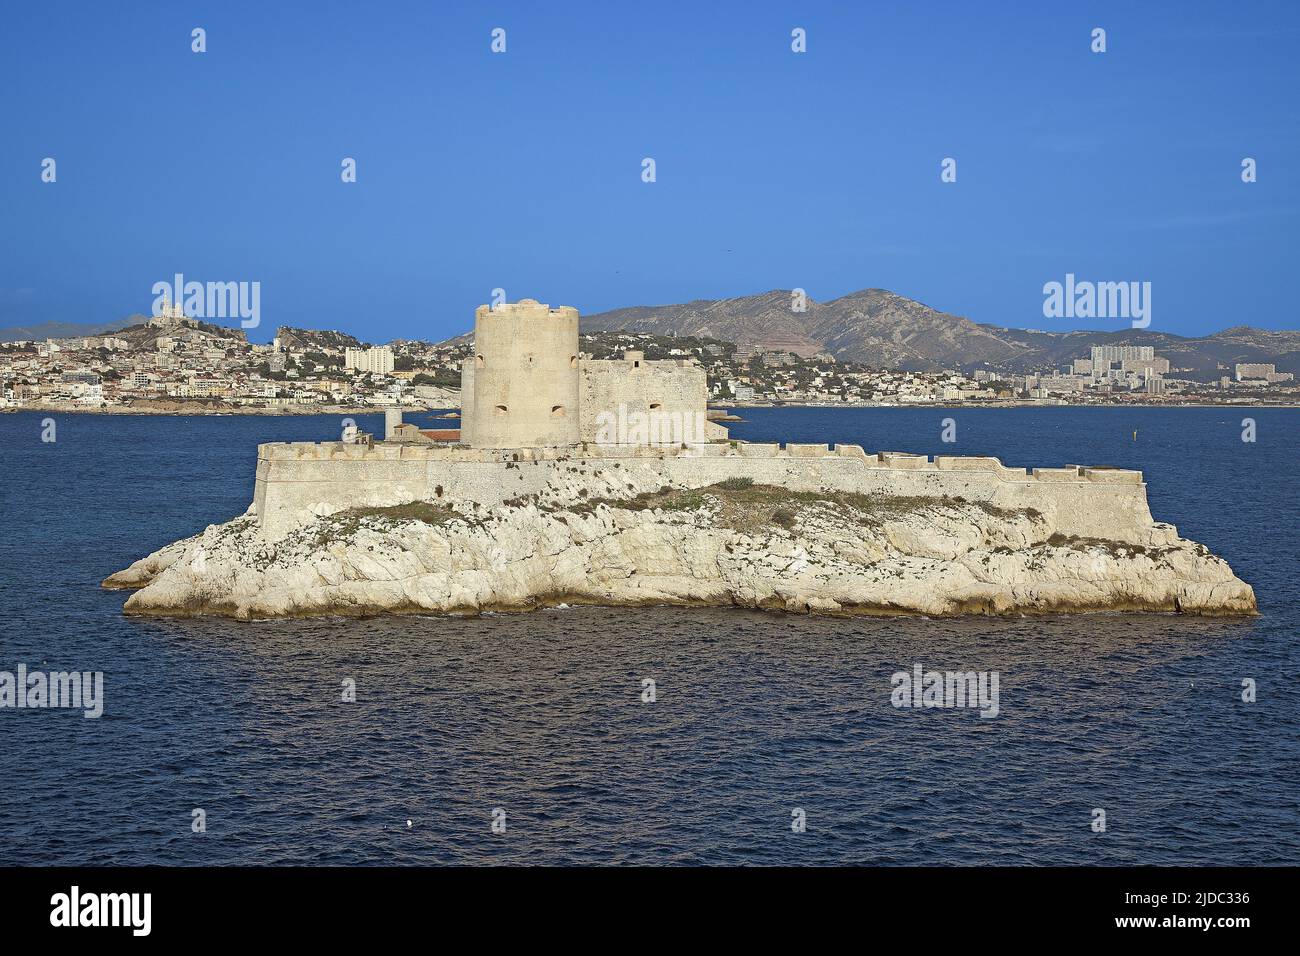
[[341, 451], [634, 362], [525, 309]]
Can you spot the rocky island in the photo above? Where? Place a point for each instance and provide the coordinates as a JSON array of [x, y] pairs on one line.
[[601, 482]]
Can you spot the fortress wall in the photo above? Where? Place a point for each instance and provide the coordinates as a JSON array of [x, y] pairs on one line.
[[954, 463], [905, 462], [1113, 475], [807, 451], [296, 481], [670, 391]]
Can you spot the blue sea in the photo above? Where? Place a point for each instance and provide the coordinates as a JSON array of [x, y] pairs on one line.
[[537, 720]]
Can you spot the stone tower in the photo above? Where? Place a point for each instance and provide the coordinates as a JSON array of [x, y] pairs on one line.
[[521, 386]]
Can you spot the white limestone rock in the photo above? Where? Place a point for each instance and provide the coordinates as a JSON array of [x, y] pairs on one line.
[[147, 568], [748, 546]]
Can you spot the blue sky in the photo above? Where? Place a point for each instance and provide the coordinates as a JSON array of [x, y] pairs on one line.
[[522, 170]]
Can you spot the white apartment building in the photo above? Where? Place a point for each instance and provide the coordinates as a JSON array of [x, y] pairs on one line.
[[377, 360], [1268, 372], [1105, 354]]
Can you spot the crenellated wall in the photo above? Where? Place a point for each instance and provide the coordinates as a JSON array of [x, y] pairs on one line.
[[297, 481]]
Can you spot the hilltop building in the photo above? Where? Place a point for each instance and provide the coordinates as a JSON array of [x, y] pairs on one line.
[[172, 317]]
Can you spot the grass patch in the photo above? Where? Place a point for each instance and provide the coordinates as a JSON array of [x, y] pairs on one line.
[[343, 525], [745, 506], [1115, 548], [426, 511]]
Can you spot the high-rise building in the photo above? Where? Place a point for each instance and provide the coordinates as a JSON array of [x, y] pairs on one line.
[[1105, 354], [1255, 370], [377, 360], [1146, 366]]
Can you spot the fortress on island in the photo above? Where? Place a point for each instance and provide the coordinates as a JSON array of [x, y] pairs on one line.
[[540, 420], [573, 481]]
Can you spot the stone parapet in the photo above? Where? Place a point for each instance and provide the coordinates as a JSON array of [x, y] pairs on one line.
[[901, 461]]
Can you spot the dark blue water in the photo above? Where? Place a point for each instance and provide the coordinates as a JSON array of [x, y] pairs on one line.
[[757, 714]]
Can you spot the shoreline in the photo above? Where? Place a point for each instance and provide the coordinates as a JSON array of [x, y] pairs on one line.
[[199, 409], [206, 411], [977, 609], [967, 407]]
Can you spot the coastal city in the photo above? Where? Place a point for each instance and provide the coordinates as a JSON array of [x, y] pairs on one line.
[[173, 363]]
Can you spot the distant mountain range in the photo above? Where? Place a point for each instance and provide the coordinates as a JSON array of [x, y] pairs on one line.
[[874, 327], [58, 330], [885, 330]]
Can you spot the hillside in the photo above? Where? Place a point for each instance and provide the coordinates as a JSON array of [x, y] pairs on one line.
[[143, 336], [764, 320], [315, 340], [886, 330]]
